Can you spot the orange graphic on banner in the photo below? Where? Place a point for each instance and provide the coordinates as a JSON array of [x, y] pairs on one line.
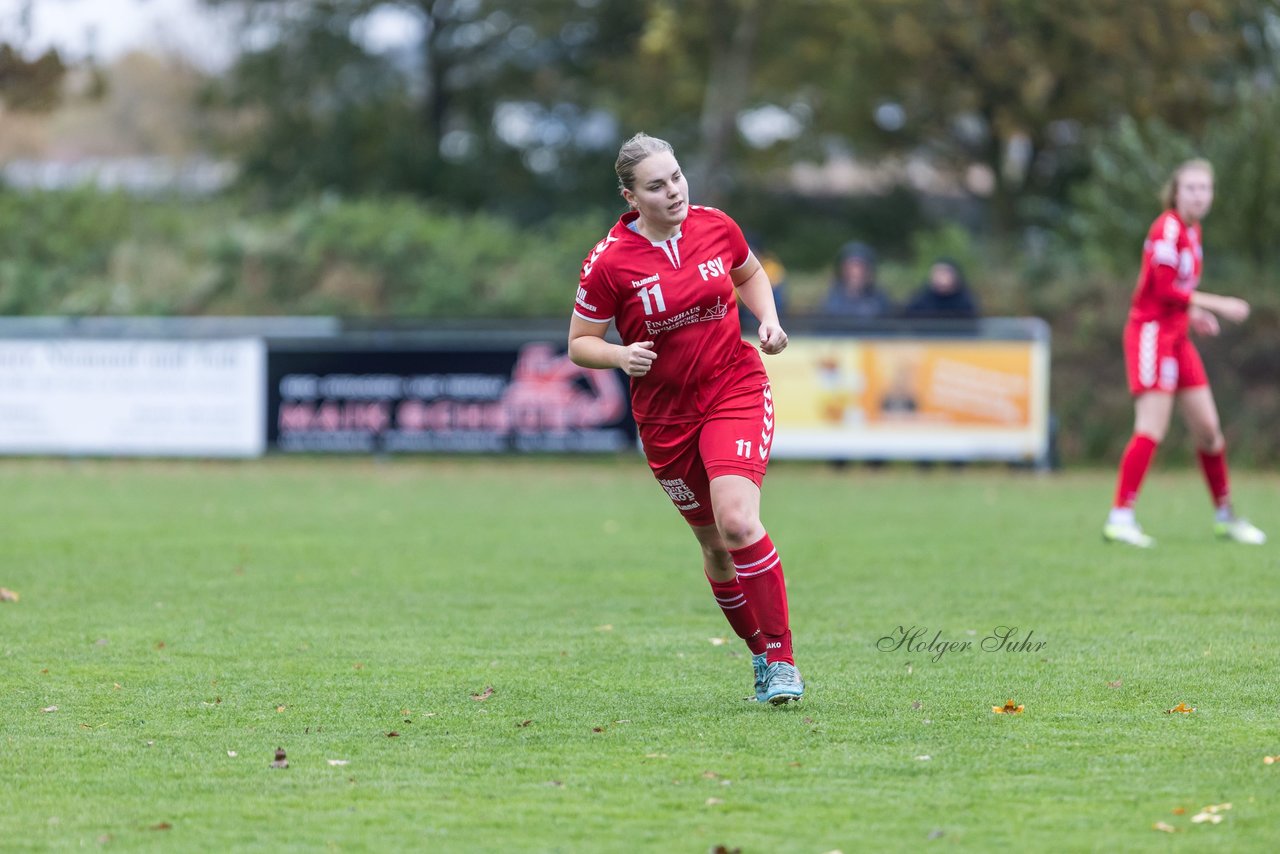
[[979, 383], [829, 384]]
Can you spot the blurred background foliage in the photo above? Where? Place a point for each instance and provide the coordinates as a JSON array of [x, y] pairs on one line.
[[462, 166]]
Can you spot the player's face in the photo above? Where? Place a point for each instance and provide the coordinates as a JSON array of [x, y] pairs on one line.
[[661, 193], [1195, 194]]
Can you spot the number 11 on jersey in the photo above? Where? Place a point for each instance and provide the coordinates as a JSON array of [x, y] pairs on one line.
[[656, 291], [744, 448]]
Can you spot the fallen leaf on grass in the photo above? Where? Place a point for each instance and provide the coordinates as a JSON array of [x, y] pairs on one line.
[[711, 802], [924, 757], [393, 734], [1270, 760], [7, 595], [555, 784], [597, 729], [1181, 708], [116, 686], [159, 644], [164, 825], [338, 761], [1178, 810], [717, 641], [936, 833], [1164, 828], [359, 665], [917, 705], [710, 775], [723, 849], [232, 754], [1009, 708], [281, 760], [483, 695], [607, 627], [280, 709], [1202, 817], [49, 709], [1115, 684], [525, 723]]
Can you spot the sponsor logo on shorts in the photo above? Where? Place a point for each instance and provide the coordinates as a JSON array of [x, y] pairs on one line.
[[679, 491]]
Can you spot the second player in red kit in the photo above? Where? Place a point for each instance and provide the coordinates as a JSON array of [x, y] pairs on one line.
[[1163, 364], [668, 275]]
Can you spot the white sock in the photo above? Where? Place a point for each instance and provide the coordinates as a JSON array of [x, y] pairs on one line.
[[1121, 516], [1224, 514]]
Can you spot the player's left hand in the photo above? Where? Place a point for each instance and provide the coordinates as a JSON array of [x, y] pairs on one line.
[[772, 339], [1203, 322]]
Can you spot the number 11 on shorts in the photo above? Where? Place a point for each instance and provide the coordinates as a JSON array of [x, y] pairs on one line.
[[744, 448]]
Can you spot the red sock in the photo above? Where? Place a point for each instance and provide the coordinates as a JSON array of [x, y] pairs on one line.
[[737, 610], [1133, 468], [760, 574], [1214, 467]]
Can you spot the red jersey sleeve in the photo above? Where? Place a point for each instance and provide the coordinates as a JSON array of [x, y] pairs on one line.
[[739, 251], [1168, 241], [597, 299]]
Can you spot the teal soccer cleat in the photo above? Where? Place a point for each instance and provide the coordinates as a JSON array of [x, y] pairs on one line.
[[760, 664], [782, 684]]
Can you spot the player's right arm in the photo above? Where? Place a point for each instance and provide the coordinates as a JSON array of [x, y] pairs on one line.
[[588, 349]]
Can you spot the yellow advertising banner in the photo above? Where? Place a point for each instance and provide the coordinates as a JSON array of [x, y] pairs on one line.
[[921, 397]]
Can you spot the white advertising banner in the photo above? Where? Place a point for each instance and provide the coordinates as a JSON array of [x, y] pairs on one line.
[[133, 397]]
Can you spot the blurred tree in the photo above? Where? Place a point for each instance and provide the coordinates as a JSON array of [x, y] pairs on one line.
[[515, 104], [1015, 84], [32, 85], [473, 100]]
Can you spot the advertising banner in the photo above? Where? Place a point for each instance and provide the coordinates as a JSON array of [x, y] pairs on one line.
[[921, 398], [132, 397], [524, 397]]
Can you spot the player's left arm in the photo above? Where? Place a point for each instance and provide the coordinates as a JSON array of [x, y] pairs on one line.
[[756, 292]]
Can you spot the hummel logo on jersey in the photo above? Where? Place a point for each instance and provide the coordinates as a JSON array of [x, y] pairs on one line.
[[713, 268], [642, 282]]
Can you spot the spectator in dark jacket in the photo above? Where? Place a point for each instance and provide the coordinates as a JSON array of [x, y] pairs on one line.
[[944, 295], [854, 293]]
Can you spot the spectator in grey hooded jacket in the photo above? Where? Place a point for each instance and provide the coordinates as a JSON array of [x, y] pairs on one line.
[[854, 293]]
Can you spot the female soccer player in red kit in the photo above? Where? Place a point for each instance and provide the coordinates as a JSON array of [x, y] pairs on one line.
[[1163, 364], [666, 275]]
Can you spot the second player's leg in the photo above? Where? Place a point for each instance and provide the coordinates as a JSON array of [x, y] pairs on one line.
[[1200, 413]]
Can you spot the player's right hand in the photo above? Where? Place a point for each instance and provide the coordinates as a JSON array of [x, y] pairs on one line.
[[1234, 309], [637, 358]]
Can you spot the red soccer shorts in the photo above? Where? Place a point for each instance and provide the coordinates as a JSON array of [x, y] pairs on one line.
[[1160, 357], [733, 438]]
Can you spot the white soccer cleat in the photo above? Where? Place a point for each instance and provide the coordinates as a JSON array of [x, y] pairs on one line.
[[1129, 533], [1241, 531]]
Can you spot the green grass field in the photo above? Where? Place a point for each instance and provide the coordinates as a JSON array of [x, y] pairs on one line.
[[177, 612]]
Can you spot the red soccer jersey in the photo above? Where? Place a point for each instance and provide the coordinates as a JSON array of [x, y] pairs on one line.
[[1171, 264], [679, 295]]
